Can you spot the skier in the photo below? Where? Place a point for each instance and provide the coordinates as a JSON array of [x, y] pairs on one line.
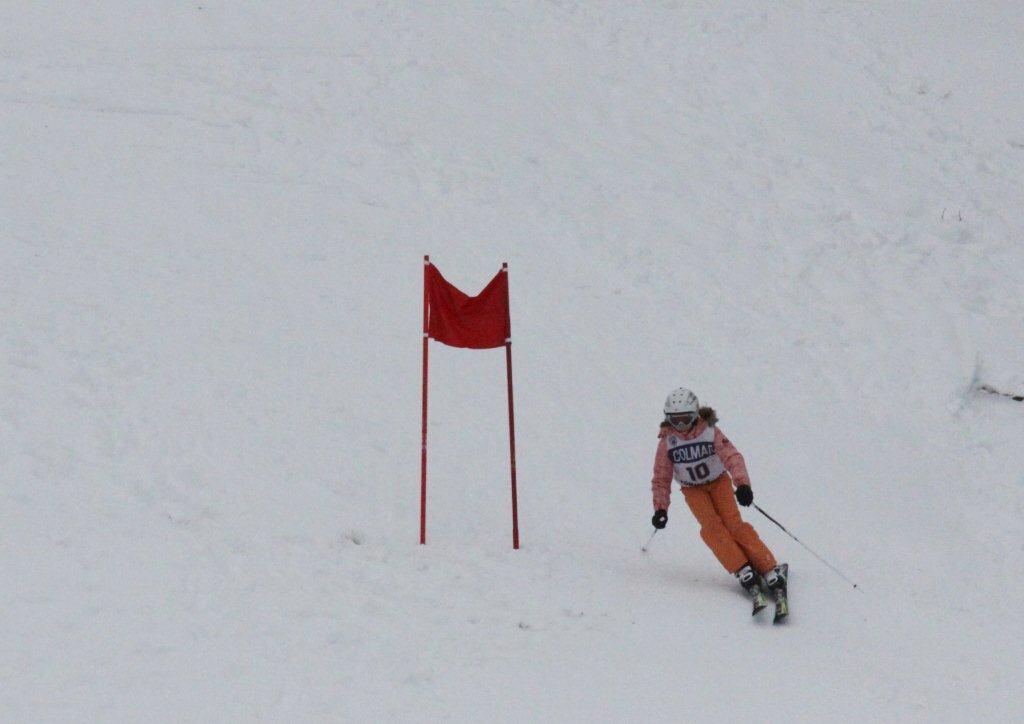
[[706, 465]]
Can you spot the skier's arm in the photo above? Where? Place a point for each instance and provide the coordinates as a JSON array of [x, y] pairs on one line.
[[731, 458], [661, 483]]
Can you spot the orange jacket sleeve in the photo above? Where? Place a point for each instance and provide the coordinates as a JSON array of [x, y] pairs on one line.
[[731, 458], [661, 482]]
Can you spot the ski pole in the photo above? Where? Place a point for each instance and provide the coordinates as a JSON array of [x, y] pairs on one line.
[[836, 570], [648, 544]]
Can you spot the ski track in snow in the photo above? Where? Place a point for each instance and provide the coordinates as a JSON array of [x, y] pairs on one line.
[[212, 222]]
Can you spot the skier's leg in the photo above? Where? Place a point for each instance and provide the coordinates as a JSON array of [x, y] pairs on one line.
[[742, 533], [713, 530]]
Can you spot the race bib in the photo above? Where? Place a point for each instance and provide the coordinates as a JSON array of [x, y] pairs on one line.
[[695, 462]]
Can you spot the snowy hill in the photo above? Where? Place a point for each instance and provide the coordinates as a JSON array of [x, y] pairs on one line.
[[212, 223]]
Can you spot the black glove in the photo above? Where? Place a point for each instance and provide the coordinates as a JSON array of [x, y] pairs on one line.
[[744, 495], [660, 519]]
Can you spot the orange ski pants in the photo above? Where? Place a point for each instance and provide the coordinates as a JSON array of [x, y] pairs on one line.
[[733, 542]]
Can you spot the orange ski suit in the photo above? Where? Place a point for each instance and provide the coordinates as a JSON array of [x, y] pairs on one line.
[[734, 542]]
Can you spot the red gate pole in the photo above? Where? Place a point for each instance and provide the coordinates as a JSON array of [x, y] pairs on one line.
[[423, 452], [511, 432]]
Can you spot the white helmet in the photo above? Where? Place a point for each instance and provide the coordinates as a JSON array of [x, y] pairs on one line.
[[682, 409]]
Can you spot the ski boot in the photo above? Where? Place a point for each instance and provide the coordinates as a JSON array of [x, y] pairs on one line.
[[777, 581], [750, 581]]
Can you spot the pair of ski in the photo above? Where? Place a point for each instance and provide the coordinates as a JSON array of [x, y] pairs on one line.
[[780, 595]]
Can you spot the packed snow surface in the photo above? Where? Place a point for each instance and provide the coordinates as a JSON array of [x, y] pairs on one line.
[[213, 218]]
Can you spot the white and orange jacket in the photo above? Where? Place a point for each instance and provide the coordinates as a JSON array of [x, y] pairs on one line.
[[661, 483]]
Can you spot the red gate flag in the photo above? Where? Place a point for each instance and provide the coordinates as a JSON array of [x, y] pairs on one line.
[[459, 320], [481, 322]]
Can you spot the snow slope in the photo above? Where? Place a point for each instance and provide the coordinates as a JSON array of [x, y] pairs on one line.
[[212, 222]]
